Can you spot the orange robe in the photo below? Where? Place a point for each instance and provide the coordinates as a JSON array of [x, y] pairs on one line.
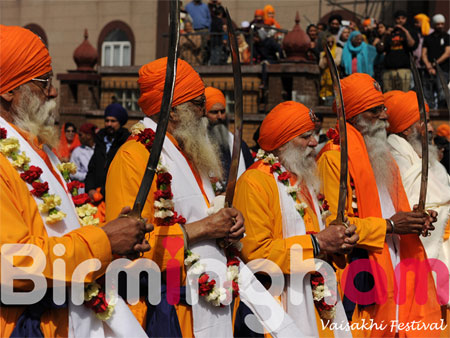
[[371, 228], [122, 184], [258, 199], [21, 222]]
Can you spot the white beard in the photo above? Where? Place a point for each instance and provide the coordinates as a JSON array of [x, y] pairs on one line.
[[415, 140]]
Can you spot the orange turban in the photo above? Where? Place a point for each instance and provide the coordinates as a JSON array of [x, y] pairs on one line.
[[402, 109], [424, 23], [360, 93], [259, 12], [23, 57], [213, 96], [188, 85], [267, 9], [284, 122], [443, 130]]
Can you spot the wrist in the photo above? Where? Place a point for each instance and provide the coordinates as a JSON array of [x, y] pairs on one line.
[[390, 226]]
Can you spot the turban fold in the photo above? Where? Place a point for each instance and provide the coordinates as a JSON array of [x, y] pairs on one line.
[[443, 130], [402, 109], [259, 12], [23, 57], [213, 96], [424, 23], [267, 9], [188, 85], [284, 122], [438, 18], [116, 110], [360, 93], [88, 128]]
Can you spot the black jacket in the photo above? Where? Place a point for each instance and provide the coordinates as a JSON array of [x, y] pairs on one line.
[[100, 160]]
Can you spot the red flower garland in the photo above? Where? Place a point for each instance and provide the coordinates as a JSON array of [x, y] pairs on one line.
[[332, 134], [3, 133]]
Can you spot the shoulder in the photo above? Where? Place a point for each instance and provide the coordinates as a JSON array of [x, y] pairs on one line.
[[258, 172], [329, 157]]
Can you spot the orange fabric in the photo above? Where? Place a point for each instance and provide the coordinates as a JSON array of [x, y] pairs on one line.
[[188, 85], [410, 248], [23, 57], [424, 23], [284, 122], [259, 12], [64, 149], [267, 9], [443, 130], [403, 110], [213, 96], [360, 93]]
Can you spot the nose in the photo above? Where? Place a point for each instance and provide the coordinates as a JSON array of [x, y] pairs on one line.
[[221, 115], [312, 142], [383, 116], [53, 93]]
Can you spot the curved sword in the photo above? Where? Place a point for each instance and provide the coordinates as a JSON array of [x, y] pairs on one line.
[[424, 134], [166, 104], [238, 113]]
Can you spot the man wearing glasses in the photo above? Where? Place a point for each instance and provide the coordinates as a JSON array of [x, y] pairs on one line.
[[388, 231], [29, 182]]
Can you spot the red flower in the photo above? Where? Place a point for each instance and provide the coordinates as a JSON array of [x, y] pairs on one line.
[[233, 261], [284, 176], [203, 278], [235, 287], [74, 185], [39, 188], [178, 218], [31, 174], [274, 167], [204, 286], [325, 205], [320, 197], [315, 281], [332, 134], [231, 252], [164, 178], [311, 232], [166, 194], [81, 199], [253, 153], [146, 137], [3, 133]]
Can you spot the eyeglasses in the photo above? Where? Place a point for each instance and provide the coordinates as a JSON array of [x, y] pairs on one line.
[[377, 110], [46, 84], [218, 111], [199, 102]]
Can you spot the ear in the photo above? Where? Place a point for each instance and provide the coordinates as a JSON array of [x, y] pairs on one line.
[[8, 97]]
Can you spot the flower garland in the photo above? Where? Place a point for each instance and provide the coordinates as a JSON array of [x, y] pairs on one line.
[[319, 288], [95, 299], [166, 215]]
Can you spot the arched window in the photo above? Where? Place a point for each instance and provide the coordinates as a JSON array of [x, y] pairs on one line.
[[116, 43], [36, 29]]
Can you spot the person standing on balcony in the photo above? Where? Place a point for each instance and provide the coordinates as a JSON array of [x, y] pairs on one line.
[[201, 16], [82, 155]]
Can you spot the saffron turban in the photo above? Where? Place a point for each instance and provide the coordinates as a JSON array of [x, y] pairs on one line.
[[424, 23], [284, 122], [188, 85], [213, 96], [402, 109], [23, 57], [259, 12], [360, 93], [443, 130], [268, 9]]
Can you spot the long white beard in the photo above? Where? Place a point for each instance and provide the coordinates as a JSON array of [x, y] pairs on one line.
[[415, 140], [375, 138], [192, 135], [301, 162], [218, 133], [36, 118]]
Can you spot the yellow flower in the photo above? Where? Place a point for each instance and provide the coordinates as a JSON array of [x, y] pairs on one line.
[[55, 217], [9, 145], [91, 290], [69, 167], [86, 210], [51, 201], [20, 160], [105, 315], [137, 128], [89, 220]]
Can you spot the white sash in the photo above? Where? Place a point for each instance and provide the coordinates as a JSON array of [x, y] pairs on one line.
[[241, 168], [82, 321], [293, 225]]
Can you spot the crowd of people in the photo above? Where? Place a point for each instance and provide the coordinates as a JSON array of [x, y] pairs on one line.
[[366, 274]]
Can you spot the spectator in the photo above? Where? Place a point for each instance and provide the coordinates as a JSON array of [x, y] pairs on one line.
[[201, 16], [343, 36], [402, 41], [217, 41], [82, 155], [215, 6], [358, 56], [444, 151], [321, 27], [369, 30], [266, 48], [107, 141], [382, 34], [258, 18], [69, 140], [184, 16], [313, 51], [269, 13], [326, 82], [312, 32], [190, 46], [334, 25], [422, 25], [244, 50], [436, 50], [381, 38], [320, 134]]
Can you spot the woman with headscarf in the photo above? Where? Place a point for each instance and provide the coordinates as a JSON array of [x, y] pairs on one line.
[[358, 56], [343, 36], [326, 82], [69, 140], [422, 24]]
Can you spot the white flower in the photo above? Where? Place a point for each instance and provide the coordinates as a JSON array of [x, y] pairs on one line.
[[325, 214], [55, 217], [163, 213], [233, 273], [271, 159], [69, 167], [91, 290], [86, 210], [9, 145], [197, 268], [222, 294], [213, 297], [318, 292], [301, 206], [328, 314], [137, 128], [191, 259], [292, 188], [260, 154], [217, 204], [89, 220], [161, 168], [20, 160], [163, 204]]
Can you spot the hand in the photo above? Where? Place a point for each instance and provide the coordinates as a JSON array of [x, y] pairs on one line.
[[401, 27], [127, 234], [412, 222], [337, 238], [432, 217]]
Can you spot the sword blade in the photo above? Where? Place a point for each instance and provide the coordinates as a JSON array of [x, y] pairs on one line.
[[424, 134], [444, 85], [342, 136], [166, 104], [238, 113]]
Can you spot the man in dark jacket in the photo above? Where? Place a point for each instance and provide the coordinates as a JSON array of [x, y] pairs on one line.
[[107, 141]]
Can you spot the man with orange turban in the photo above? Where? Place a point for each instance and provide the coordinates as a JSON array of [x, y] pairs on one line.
[[279, 197], [376, 283], [178, 204], [38, 218], [406, 148], [219, 133]]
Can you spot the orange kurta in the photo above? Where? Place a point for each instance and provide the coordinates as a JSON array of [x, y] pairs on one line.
[[258, 199], [122, 184], [21, 222], [372, 229]]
